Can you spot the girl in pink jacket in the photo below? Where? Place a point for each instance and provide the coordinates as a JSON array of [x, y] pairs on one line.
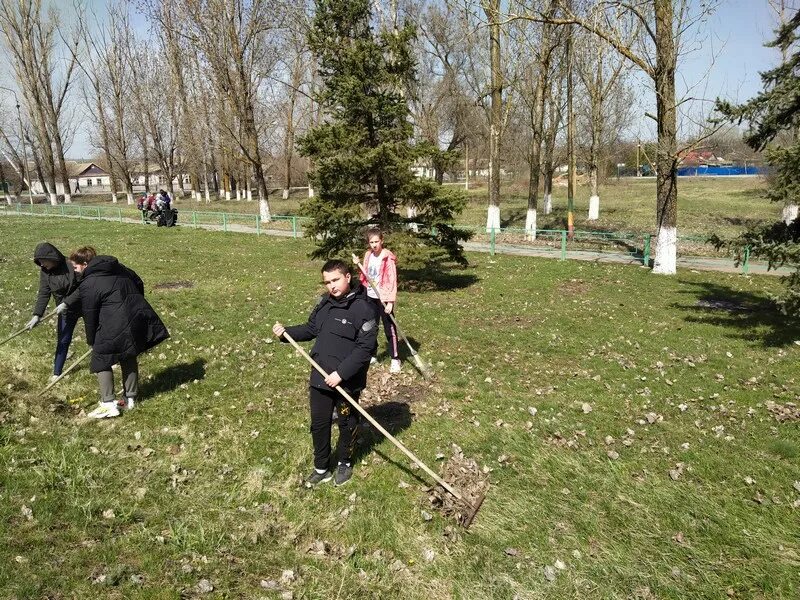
[[381, 265]]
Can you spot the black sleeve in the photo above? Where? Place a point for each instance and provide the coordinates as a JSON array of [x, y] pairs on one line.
[[91, 311], [366, 341], [308, 331], [43, 297]]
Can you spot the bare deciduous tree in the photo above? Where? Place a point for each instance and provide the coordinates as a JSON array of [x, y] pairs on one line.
[[665, 24], [30, 41]]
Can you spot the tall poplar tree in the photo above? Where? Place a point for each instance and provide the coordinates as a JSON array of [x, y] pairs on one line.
[[363, 151]]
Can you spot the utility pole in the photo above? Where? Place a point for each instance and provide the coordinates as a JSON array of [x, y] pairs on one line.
[[571, 179]]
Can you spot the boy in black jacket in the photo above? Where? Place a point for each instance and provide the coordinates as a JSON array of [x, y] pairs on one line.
[[59, 280], [344, 325]]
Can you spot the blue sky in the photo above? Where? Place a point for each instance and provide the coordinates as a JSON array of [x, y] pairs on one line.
[[726, 63]]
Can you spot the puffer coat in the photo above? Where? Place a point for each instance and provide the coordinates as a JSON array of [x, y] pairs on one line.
[[120, 323]]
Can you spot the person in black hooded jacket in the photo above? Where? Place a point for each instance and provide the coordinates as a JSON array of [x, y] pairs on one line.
[[120, 324], [344, 324], [59, 280]]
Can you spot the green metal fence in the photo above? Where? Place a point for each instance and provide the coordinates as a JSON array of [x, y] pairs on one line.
[[505, 240]]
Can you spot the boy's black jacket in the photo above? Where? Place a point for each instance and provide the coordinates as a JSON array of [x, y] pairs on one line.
[[346, 336]]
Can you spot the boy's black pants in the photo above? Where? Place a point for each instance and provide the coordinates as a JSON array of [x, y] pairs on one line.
[[322, 403]]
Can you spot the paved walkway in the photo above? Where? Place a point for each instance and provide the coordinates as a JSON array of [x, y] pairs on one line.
[[698, 263]]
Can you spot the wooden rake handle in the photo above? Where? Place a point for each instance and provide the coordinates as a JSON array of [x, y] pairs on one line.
[[374, 287], [374, 423], [24, 329], [78, 361]]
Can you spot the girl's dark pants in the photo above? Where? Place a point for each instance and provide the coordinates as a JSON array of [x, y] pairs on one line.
[[64, 328], [388, 328], [322, 404]]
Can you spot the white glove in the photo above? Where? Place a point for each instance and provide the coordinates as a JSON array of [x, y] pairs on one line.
[[33, 322], [61, 308]]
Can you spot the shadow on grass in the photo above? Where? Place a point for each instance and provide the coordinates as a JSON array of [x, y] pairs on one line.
[[515, 217], [432, 280], [747, 315], [172, 377], [394, 416], [740, 221]]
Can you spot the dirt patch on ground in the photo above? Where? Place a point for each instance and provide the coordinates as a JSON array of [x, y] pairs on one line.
[[783, 412], [468, 479], [174, 285], [573, 287]]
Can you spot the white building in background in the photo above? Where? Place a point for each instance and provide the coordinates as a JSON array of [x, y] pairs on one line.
[[83, 178], [157, 178]]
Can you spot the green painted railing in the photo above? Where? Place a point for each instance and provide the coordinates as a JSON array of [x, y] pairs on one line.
[[504, 239]]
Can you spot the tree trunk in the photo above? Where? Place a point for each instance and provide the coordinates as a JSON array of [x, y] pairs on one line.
[[537, 126], [146, 165], [666, 161], [4, 183], [114, 189], [492, 9], [789, 213], [594, 195]]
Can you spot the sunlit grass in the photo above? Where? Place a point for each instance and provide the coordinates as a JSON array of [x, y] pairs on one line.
[[651, 469]]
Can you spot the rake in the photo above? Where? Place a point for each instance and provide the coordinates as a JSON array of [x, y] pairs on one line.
[[24, 329], [69, 369], [472, 508], [420, 364]]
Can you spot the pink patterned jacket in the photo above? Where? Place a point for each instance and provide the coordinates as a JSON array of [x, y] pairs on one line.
[[387, 275]]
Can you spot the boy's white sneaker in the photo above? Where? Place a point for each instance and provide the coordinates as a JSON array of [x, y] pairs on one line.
[[395, 366], [126, 403], [105, 410]]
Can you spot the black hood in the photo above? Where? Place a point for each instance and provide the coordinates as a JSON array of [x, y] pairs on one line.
[[47, 251], [102, 265]]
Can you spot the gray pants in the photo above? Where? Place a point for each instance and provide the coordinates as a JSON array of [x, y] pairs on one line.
[[130, 380]]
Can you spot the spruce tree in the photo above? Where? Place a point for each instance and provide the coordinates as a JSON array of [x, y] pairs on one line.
[[776, 111], [362, 154]]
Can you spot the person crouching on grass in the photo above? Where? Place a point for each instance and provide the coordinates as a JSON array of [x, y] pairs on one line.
[[381, 265], [344, 325], [120, 325]]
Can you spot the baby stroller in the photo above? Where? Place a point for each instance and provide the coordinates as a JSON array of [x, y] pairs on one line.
[[166, 217]]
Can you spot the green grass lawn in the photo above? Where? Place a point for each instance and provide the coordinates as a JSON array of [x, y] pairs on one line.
[[725, 206], [654, 466]]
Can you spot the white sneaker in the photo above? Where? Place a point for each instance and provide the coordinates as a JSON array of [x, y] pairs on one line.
[[104, 410], [373, 361], [126, 404], [395, 366], [54, 377]]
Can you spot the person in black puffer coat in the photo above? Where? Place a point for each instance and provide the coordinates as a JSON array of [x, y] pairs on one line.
[[344, 324], [120, 324], [59, 280]]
